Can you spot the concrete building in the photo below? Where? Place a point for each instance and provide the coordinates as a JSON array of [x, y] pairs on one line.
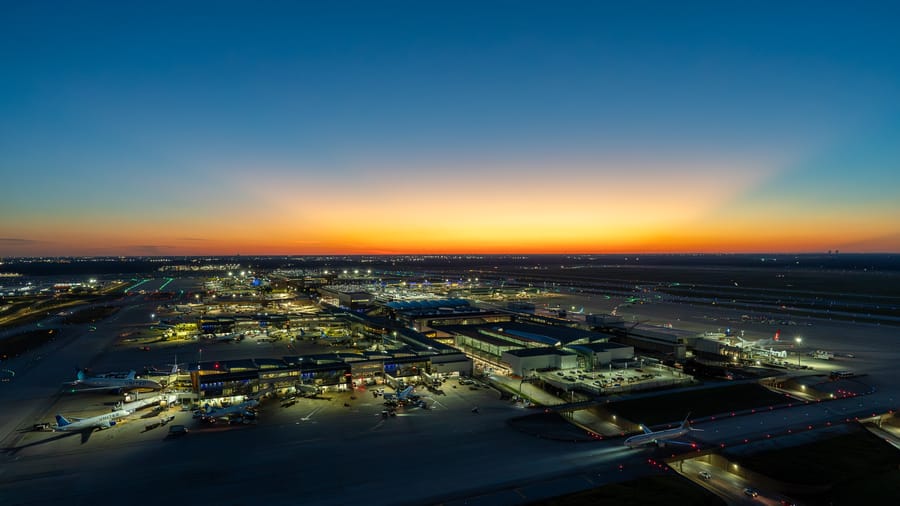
[[666, 344], [522, 362], [487, 343], [346, 296], [595, 355]]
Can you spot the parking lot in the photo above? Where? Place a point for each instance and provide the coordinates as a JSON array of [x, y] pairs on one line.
[[614, 380]]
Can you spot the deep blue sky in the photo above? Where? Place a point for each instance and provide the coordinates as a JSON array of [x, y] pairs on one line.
[[158, 127]]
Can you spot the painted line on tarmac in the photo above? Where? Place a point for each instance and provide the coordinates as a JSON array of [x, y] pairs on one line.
[[313, 412]]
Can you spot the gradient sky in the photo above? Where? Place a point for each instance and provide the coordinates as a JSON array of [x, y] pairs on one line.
[[167, 128]]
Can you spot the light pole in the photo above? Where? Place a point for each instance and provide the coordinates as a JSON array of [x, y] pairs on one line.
[[798, 340]]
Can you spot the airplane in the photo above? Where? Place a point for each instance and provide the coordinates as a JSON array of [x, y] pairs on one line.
[[103, 421], [107, 383], [152, 371], [237, 409], [227, 338], [400, 396], [661, 437]]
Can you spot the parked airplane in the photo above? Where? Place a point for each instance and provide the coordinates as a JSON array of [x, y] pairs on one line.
[[108, 383], [103, 421], [400, 396], [662, 436], [237, 409], [228, 338], [152, 371]]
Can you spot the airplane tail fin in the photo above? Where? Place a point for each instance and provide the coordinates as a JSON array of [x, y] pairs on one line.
[[686, 424], [80, 375], [130, 375], [61, 421]]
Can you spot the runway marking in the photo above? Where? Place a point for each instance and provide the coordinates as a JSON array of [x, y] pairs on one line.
[[437, 403], [307, 417]]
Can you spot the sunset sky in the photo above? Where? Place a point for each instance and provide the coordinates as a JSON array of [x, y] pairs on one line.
[[175, 128]]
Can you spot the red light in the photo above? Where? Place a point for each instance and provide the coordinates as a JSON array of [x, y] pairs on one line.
[[217, 365]]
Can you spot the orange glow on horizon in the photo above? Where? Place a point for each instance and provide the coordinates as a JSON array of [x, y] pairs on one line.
[[532, 211]]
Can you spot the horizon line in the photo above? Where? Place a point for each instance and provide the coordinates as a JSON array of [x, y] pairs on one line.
[[388, 255]]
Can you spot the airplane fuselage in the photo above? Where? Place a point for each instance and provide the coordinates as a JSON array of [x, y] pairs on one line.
[[655, 437], [95, 422], [230, 410], [119, 383]]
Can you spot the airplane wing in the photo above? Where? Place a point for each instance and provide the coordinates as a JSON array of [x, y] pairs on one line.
[[91, 389], [680, 443], [122, 388]]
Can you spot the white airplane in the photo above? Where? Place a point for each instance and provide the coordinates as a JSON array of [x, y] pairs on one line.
[[227, 338], [239, 409], [662, 436], [104, 421], [108, 383]]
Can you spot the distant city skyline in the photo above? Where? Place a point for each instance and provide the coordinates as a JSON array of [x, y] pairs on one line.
[[307, 128]]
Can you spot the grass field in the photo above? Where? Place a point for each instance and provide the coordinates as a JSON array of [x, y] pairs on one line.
[[20, 343], [845, 461], [90, 315], [673, 407], [651, 491]]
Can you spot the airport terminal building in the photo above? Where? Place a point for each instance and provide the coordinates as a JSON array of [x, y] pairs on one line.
[[513, 347]]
